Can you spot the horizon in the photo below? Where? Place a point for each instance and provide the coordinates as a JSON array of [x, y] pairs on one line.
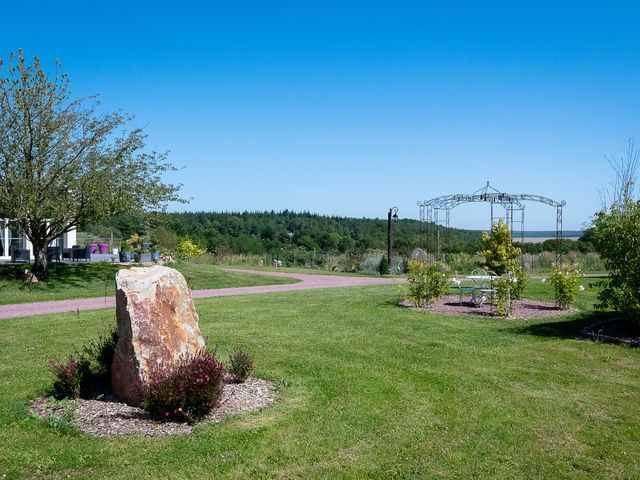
[[348, 110]]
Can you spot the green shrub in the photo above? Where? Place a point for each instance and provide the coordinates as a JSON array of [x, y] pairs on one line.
[[616, 236], [383, 268], [99, 353], [500, 255], [240, 364], [69, 376], [565, 281], [187, 250], [186, 391], [427, 282], [503, 296], [519, 281]]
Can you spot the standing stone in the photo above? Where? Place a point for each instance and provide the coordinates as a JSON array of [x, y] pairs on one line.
[[157, 324]]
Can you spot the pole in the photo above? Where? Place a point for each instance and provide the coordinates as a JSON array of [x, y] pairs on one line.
[[389, 238], [392, 215]]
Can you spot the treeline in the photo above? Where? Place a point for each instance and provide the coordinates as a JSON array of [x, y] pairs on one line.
[[266, 232]]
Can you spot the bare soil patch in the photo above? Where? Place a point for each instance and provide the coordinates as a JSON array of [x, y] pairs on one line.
[[107, 417], [523, 309]]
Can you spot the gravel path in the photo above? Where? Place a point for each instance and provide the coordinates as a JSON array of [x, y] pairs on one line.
[[308, 282]]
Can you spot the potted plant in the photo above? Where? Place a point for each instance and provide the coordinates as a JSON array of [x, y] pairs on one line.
[[126, 253]]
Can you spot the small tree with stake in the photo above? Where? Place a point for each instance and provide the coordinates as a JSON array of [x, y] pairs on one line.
[[63, 165]]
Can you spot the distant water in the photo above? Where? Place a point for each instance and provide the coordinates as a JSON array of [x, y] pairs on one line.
[[541, 235], [552, 233]]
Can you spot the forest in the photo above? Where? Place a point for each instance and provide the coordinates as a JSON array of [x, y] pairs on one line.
[[269, 232]]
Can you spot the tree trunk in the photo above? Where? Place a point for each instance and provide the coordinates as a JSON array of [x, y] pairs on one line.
[[40, 267]]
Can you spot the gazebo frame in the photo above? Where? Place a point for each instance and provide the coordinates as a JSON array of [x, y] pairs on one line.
[[437, 213]]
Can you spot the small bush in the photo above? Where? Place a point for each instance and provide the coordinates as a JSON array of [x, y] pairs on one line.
[[383, 268], [100, 353], [69, 376], [426, 283], [240, 364], [519, 283], [565, 282], [186, 391], [503, 295], [500, 255], [187, 250]]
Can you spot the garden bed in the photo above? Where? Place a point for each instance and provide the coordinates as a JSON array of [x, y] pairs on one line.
[[522, 309], [108, 417], [613, 330]]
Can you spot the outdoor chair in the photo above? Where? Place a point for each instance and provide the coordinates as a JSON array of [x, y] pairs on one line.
[[20, 255], [79, 253], [53, 253], [463, 289], [483, 285]]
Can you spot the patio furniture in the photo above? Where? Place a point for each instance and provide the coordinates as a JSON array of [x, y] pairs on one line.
[[20, 255], [482, 285], [126, 256], [66, 254], [53, 253], [79, 253], [463, 289]]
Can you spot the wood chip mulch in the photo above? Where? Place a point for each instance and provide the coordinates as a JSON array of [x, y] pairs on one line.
[[523, 309], [109, 417]]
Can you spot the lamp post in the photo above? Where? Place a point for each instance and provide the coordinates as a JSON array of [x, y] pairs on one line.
[[393, 215]]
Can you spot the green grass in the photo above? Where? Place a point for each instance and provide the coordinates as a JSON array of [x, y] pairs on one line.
[[367, 390], [83, 280], [310, 271]]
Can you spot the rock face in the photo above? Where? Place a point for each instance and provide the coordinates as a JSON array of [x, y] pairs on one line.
[[157, 323]]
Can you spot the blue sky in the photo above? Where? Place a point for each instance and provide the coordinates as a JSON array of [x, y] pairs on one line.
[[349, 108]]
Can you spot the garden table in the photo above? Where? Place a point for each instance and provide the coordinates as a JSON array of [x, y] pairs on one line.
[[481, 287]]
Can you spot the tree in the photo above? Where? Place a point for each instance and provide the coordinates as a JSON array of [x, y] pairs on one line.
[[383, 268], [500, 255], [616, 236], [63, 165]]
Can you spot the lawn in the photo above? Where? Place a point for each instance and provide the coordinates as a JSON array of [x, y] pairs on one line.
[[367, 390], [83, 280]]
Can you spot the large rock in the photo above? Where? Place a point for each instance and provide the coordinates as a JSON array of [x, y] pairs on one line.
[[157, 324]]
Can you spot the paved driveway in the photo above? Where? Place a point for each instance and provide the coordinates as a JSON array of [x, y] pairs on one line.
[[308, 282]]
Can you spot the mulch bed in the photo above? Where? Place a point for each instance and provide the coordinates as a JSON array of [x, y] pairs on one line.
[[523, 309], [613, 330], [108, 417]]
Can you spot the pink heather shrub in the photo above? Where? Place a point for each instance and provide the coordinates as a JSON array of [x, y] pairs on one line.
[[187, 391], [69, 376], [240, 364]]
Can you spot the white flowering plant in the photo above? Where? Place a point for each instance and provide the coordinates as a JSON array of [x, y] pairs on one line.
[[565, 281]]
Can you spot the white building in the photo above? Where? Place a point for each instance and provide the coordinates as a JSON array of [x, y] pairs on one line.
[[11, 240]]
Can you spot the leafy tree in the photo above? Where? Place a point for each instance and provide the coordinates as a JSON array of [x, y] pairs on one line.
[[616, 236], [500, 255], [63, 165], [617, 239]]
